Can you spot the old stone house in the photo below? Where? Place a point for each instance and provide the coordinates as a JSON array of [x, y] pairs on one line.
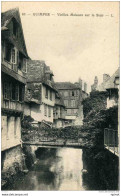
[[111, 137], [13, 74], [112, 86], [72, 95], [59, 111], [40, 92]]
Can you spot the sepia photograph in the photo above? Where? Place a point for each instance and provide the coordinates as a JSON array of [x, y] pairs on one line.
[[60, 76]]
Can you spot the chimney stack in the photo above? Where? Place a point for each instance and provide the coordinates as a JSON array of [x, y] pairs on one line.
[[96, 80], [85, 87], [106, 77], [80, 83]]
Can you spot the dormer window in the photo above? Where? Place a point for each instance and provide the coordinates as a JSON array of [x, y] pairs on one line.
[[15, 28], [8, 52]]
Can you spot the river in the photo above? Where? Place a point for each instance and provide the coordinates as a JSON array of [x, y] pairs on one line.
[[58, 169]]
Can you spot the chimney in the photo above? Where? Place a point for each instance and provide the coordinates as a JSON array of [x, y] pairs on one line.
[[96, 80], [80, 83], [106, 77], [85, 87]]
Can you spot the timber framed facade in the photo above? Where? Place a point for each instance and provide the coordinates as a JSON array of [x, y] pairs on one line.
[[13, 74]]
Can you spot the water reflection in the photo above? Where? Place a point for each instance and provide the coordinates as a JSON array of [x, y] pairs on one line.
[[55, 169], [62, 169]]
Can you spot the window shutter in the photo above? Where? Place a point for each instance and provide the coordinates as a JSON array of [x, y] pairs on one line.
[[13, 56], [24, 65]]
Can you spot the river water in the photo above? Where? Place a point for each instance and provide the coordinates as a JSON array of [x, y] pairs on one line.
[[57, 169]]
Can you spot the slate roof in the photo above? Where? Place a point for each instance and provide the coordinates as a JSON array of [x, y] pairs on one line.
[[59, 100], [36, 72], [101, 87], [6, 17], [109, 83], [65, 86]]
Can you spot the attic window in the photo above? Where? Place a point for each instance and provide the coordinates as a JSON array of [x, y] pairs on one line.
[[15, 28], [8, 52]]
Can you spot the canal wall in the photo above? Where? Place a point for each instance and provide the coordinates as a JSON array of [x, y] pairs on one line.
[[103, 166], [12, 163]]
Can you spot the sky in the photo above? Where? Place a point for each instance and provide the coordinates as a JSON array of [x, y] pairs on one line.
[[73, 46]]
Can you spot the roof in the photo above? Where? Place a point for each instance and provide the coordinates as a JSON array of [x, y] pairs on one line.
[[6, 17], [36, 73], [66, 86], [59, 100], [109, 83]]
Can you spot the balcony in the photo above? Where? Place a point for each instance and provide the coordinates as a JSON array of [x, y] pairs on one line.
[[111, 141], [12, 105], [13, 71]]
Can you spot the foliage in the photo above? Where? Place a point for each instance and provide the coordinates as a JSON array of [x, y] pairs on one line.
[[97, 117], [95, 102]]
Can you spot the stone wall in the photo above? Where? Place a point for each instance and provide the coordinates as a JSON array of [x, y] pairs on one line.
[[12, 156]]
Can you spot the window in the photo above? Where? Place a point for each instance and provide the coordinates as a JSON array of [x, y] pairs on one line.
[[72, 111], [66, 93], [46, 93], [73, 103], [77, 93], [21, 93], [49, 112], [45, 110], [13, 56], [8, 52], [25, 65], [69, 111], [72, 93], [6, 90], [66, 102], [15, 28], [50, 95], [17, 92], [18, 58], [13, 92]]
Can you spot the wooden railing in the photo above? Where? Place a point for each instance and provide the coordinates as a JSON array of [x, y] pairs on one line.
[[111, 140], [13, 105]]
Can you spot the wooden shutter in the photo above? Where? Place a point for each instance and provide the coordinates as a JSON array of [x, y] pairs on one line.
[[24, 65], [13, 56]]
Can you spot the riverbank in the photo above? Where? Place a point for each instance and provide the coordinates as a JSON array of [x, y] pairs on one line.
[[104, 166]]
